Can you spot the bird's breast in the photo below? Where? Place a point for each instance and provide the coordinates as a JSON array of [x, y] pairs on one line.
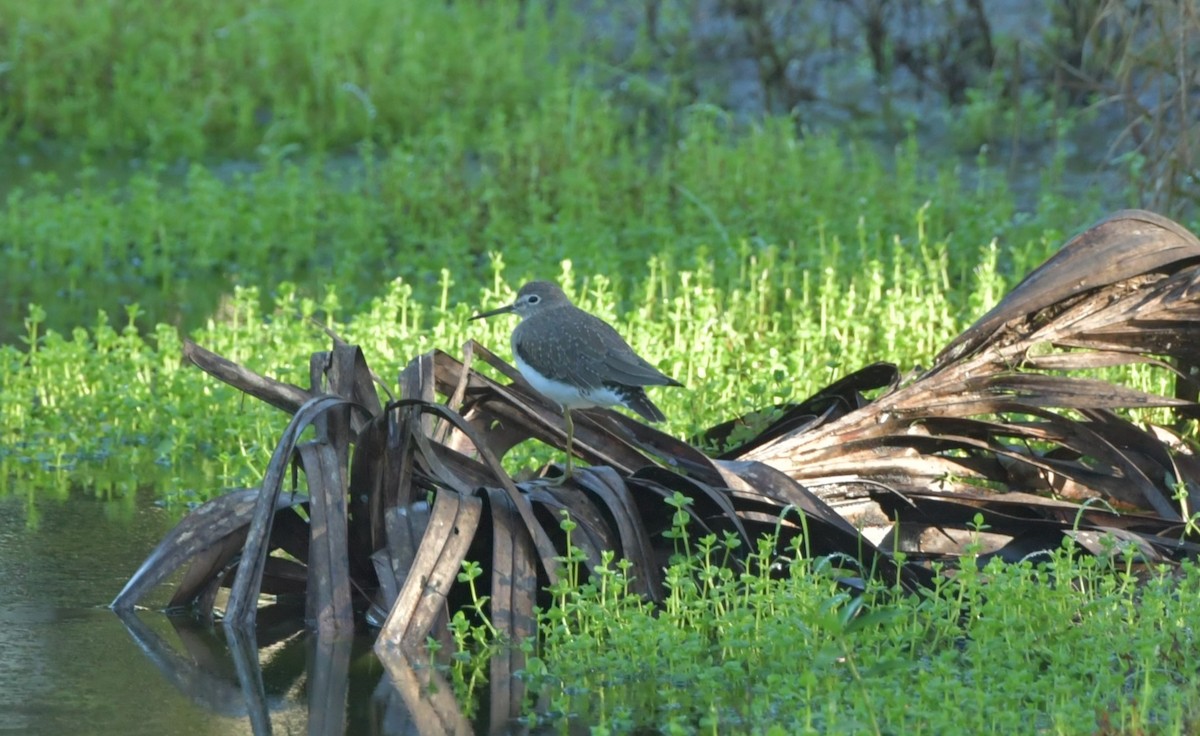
[[566, 395]]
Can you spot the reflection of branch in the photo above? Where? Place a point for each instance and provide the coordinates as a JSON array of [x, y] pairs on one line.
[[245, 658], [211, 690], [426, 705]]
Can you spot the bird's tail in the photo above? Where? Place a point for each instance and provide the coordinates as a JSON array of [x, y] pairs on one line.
[[635, 399]]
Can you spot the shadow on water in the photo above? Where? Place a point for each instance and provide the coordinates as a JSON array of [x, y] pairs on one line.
[[70, 665]]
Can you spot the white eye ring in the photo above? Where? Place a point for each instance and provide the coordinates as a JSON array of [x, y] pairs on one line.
[[533, 299]]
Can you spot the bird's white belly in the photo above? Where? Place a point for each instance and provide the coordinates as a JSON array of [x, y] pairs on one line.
[[564, 394]]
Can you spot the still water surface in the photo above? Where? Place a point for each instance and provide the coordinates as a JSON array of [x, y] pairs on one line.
[[69, 665]]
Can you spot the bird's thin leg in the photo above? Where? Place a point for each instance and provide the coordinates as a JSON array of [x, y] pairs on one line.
[[570, 443], [570, 455]]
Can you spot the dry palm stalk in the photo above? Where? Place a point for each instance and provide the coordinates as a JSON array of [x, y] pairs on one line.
[[1004, 408], [1002, 425]]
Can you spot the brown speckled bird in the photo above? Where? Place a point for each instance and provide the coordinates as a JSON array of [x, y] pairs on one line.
[[577, 359]]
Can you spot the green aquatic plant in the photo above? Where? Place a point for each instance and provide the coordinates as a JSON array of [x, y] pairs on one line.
[[785, 648], [744, 334]]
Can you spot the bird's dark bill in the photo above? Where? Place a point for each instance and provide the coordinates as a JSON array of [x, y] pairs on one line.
[[494, 312]]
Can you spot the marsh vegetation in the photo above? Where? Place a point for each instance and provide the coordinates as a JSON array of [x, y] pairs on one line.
[[763, 197]]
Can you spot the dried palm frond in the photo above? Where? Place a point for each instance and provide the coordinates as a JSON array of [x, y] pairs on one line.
[[1008, 405], [1002, 426]]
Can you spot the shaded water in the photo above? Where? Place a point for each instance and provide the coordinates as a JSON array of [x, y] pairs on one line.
[[68, 664]]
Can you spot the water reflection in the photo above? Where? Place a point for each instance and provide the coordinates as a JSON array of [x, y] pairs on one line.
[[225, 672], [67, 664], [204, 671], [70, 665]]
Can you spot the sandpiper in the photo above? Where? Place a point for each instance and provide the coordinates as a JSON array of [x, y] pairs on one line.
[[577, 359]]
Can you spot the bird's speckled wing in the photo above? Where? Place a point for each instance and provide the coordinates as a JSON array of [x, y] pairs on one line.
[[585, 351]]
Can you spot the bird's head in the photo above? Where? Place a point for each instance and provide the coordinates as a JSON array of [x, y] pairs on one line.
[[533, 297]]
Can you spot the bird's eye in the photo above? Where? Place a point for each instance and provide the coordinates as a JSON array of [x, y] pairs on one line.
[[533, 299]]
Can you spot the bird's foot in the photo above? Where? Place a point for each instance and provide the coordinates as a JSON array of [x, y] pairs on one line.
[[558, 480]]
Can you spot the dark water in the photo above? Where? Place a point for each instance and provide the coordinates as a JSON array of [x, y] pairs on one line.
[[69, 665]]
